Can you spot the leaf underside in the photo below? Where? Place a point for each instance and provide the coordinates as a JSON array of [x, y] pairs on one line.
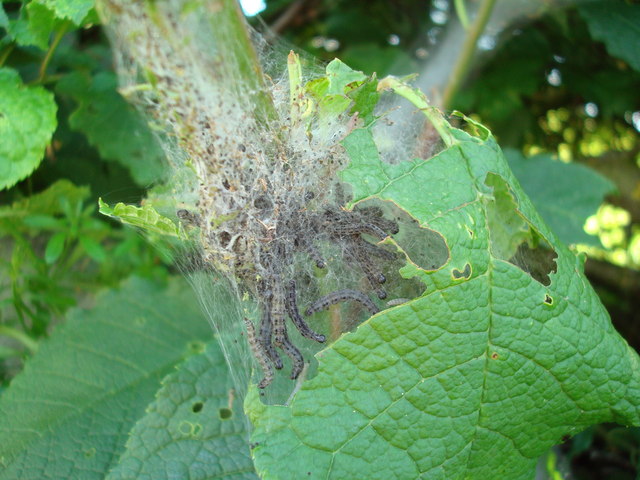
[[68, 414], [194, 429]]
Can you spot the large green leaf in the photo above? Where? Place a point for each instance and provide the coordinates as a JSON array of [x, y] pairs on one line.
[[67, 415], [113, 126], [617, 24], [565, 194], [507, 351], [194, 429], [27, 121]]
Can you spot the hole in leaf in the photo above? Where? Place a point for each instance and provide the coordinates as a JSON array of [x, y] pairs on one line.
[[426, 248], [548, 300], [224, 413], [472, 127], [197, 407], [513, 238], [465, 273], [538, 262]]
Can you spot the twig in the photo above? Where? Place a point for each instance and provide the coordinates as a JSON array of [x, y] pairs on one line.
[[5, 54], [42, 72], [289, 14], [468, 49]]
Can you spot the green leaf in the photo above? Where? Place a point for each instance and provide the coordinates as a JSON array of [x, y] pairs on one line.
[[372, 57], [44, 222], [6, 352], [194, 429], [34, 26], [67, 414], [340, 76], [38, 209], [93, 248], [55, 247], [144, 217], [565, 194], [507, 350], [27, 121], [617, 24], [74, 10], [365, 99], [4, 20], [111, 125]]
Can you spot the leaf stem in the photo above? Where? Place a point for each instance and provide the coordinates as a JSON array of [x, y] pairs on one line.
[[461, 10], [5, 53], [21, 337], [468, 49], [417, 98], [42, 72]]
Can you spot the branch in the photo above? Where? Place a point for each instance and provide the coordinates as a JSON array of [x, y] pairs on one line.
[[468, 49]]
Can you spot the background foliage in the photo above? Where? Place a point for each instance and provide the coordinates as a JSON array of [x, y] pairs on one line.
[[563, 85]]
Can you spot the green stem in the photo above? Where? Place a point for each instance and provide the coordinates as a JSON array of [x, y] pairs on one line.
[[52, 48], [468, 49], [21, 337], [461, 10], [417, 98], [5, 54]]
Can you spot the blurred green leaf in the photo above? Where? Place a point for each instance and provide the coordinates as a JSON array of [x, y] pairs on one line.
[[373, 58], [41, 206], [33, 26], [55, 247], [111, 125], [93, 248], [582, 442], [44, 222], [617, 24], [565, 194], [68, 413], [27, 121], [6, 352], [195, 428], [4, 20]]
